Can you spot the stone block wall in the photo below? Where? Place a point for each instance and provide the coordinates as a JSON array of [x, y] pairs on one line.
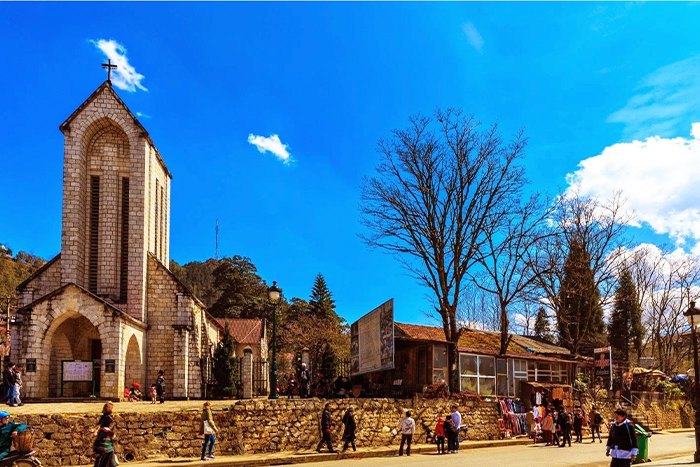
[[252, 426], [43, 283], [668, 415]]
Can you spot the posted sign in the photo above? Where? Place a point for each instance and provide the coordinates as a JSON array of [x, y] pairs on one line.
[[603, 363], [372, 340]]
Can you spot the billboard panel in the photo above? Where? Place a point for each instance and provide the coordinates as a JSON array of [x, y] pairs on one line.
[[603, 363], [372, 340]]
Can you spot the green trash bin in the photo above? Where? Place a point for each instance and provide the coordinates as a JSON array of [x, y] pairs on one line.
[[642, 444]]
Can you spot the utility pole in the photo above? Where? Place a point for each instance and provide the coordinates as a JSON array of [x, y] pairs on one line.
[[216, 253]]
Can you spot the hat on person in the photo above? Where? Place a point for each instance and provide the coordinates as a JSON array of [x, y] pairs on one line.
[[4, 414]]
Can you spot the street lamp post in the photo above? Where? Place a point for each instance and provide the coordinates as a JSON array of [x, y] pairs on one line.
[[693, 315], [274, 294]]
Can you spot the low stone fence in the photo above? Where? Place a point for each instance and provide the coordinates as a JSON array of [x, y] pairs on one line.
[[669, 414], [252, 426]]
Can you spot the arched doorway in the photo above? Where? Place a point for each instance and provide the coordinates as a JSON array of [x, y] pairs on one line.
[[74, 338], [133, 364]]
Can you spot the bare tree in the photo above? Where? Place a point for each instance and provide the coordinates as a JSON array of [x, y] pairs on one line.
[[434, 200], [478, 309], [506, 272], [594, 226]]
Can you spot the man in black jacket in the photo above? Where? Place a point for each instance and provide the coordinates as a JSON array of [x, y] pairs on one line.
[[326, 428], [622, 441], [8, 381], [564, 421]]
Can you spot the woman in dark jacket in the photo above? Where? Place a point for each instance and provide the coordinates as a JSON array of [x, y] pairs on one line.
[[349, 430]]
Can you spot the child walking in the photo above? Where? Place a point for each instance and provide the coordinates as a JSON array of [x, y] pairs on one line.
[[440, 435], [153, 392]]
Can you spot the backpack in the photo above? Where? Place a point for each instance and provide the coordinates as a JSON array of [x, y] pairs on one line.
[[598, 420]]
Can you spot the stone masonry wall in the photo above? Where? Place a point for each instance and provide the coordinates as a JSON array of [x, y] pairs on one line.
[[252, 426], [669, 415]]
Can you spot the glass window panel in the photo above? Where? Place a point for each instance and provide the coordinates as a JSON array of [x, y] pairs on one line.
[[467, 364], [502, 368], [487, 366], [502, 385], [439, 376], [469, 384], [439, 356], [487, 386]]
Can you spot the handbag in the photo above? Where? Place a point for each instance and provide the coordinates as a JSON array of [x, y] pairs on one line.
[[207, 428], [115, 460]]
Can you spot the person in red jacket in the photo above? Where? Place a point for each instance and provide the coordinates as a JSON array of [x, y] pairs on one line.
[[440, 435]]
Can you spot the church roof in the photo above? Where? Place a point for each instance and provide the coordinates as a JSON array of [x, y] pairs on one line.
[[43, 268], [107, 86], [245, 331], [61, 289]]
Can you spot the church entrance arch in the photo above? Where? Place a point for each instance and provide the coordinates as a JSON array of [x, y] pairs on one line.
[[134, 365], [72, 337]]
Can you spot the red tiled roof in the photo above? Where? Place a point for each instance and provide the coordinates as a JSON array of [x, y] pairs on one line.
[[244, 331]]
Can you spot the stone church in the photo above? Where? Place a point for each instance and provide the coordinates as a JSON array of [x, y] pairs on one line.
[[109, 296]]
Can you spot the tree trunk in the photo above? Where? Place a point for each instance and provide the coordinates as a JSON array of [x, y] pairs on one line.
[[505, 324], [453, 361]]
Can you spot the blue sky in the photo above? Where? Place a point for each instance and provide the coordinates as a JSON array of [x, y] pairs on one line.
[[583, 79]]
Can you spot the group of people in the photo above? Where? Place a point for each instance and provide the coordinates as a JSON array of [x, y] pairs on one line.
[[448, 428], [12, 383], [327, 424], [156, 392], [305, 384], [556, 425]]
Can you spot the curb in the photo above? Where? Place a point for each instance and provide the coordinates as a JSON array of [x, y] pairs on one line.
[[310, 457]]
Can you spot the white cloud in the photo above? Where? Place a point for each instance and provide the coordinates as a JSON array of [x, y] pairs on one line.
[[658, 177], [271, 144], [473, 36], [124, 76], [142, 115], [666, 100]]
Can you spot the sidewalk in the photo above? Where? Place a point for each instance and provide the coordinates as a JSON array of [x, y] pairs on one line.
[[302, 457]]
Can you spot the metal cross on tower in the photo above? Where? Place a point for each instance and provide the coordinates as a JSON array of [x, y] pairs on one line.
[[109, 68]]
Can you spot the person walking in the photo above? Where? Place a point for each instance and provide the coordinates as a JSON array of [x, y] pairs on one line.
[[578, 426], [440, 435], [622, 441], [565, 426], [17, 373], [304, 382], [349, 427], [208, 428], [8, 381], [160, 386], [457, 421], [407, 426], [547, 425], [103, 447], [556, 428], [596, 420], [326, 428]]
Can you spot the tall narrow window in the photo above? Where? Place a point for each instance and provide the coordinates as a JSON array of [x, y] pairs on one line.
[[162, 223], [94, 232], [157, 235], [124, 263]]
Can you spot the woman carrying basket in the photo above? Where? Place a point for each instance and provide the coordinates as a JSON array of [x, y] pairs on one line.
[[8, 431]]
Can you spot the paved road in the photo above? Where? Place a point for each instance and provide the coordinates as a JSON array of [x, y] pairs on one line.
[[588, 455]]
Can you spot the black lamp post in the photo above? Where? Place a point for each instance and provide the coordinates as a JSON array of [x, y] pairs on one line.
[[274, 294], [693, 315]]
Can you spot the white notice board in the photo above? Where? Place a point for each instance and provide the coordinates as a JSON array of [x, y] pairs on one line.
[[77, 370]]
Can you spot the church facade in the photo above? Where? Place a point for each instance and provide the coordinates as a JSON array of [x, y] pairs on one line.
[[109, 296]]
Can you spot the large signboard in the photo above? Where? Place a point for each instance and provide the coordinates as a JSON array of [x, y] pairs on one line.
[[603, 363], [372, 340], [77, 370]]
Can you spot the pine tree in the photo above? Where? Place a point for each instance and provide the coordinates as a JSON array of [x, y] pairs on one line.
[[543, 330], [625, 329], [580, 321], [225, 367], [321, 301]]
